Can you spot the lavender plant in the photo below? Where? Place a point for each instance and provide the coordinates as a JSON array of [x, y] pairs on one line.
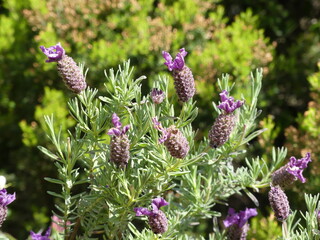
[[107, 181]]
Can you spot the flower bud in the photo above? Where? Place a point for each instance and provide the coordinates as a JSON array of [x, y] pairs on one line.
[[157, 95], [176, 143], [221, 130], [225, 122], [279, 203], [119, 150], [291, 172], [120, 144], [158, 221]]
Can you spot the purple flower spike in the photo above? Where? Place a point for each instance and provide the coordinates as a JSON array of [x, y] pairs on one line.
[[38, 236], [296, 166], [178, 62], [228, 104], [120, 143], [240, 218], [158, 221], [5, 198], [54, 53]]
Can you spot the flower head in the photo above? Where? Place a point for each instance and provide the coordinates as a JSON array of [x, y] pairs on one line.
[[54, 53], [296, 166], [228, 104], [5, 198], [71, 73], [157, 219], [38, 236], [157, 95], [173, 139], [240, 218], [117, 130], [178, 62]]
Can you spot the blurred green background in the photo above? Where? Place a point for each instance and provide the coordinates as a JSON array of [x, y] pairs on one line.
[[226, 36]]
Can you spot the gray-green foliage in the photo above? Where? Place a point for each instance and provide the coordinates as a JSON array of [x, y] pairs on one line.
[[295, 229], [98, 198]]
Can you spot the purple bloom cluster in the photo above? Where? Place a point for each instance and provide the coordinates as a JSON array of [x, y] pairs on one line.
[[119, 144], [173, 139], [156, 204], [157, 219], [157, 95], [241, 218], [182, 75], [283, 178], [178, 63], [38, 236], [70, 72], [225, 122], [5, 198], [296, 166], [228, 104], [118, 130], [54, 53]]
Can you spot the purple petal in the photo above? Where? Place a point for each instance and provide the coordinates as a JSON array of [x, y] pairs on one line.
[[48, 232], [142, 211], [228, 104], [239, 218], [178, 62], [114, 132], [116, 121], [38, 236], [183, 52], [5, 198], [297, 173], [158, 203], [168, 59], [125, 129], [245, 215], [296, 166], [224, 95], [231, 219], [54, 53]]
